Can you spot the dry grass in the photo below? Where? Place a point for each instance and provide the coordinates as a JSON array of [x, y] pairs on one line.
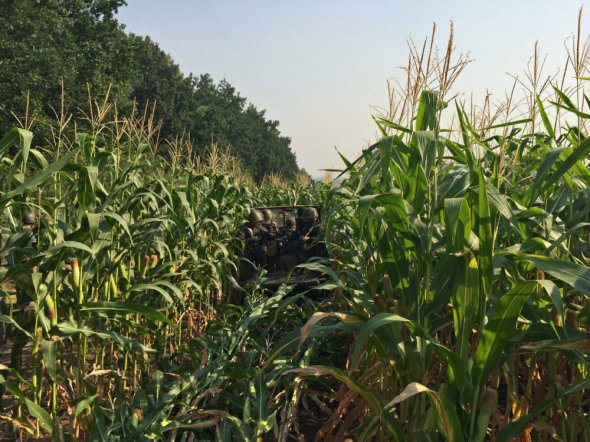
[[273, 179], [221, 161], [303, 179]]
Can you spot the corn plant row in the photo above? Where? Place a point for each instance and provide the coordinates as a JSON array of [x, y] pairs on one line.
[[464, 289], [128, 263]]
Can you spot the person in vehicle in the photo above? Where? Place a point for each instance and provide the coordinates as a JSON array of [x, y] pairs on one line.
[[289, 237], [291, 225], [255, 238], [310, 233], [269, 223], [272, 247], [299, 217], [289, 245], [308, 227]]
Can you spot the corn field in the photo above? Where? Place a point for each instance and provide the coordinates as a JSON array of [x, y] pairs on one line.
[[457, 279], [465, 291], [127, 284]]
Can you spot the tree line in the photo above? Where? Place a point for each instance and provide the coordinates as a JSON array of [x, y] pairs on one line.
[[82, 44]]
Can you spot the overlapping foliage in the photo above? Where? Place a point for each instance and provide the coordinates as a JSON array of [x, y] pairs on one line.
[[116, 319], [467, 289], [459, 293], [458, 285]]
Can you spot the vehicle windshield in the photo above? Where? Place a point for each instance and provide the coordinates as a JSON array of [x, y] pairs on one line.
[[286, 237]]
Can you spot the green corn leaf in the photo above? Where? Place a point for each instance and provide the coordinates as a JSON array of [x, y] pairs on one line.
[[380, 320], [486, 241], [458, 223], [177, 292], [124, 308], [118, 218], [575, 275], [69, 245], [567, 103], [92, 221], [49, 349], [387, 123], [346, 162], [546, 122], [447, 419], [243, 431], [82, 405], [40, 414], [567, 234], [465, 301], [39, 158], [39, 178], [7, 320], [457, 372], [141, 288], [554, 294], [14, 136], [508, 124], [322, 268], [427, 113], [562, 159], [501, 325], [87, 186], [426, 143], [373, 423], [380, 127], [69, 328]]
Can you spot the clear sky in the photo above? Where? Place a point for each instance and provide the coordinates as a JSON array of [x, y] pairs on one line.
[[318, 66]]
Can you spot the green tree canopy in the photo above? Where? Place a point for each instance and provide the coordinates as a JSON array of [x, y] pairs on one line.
[[81, 43]]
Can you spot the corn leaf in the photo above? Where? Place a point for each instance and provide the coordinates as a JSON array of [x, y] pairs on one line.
[[447, 419], [124, 308], [501, 325], [575, 275]]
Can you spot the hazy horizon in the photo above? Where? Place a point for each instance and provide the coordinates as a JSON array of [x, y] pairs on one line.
[[319, 68]]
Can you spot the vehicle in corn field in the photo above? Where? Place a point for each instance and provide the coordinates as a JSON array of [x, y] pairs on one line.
[[278, 239]]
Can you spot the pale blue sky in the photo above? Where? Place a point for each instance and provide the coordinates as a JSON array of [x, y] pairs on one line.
[[318, 66]]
